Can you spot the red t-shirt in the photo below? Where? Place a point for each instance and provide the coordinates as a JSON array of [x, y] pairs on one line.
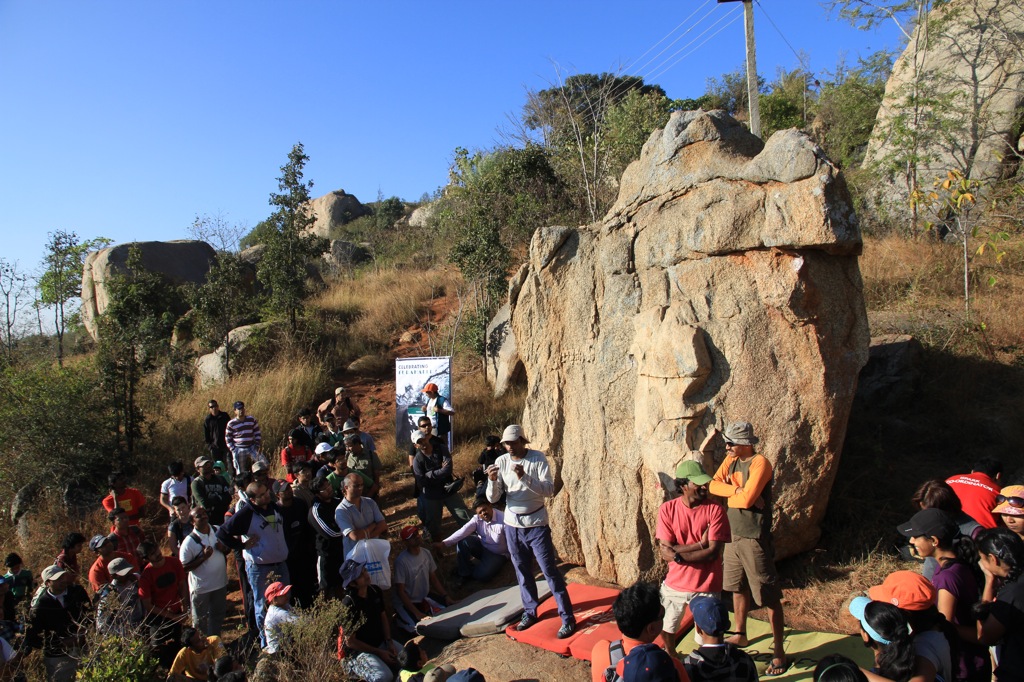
[[131, 501], [160, 585], [681, 525], [977, 493], [98, 573]]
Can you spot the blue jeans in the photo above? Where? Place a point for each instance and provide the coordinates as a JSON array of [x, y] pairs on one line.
[[525, 545], [486, 564], [257, 574]]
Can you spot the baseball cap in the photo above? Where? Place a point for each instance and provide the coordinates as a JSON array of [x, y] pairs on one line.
[[1005, 507], [648, 663], [259, 466], [740, 433], [693, 471], [857, 609], [930, 522], [120, 566], [280, 485], [906, 590], [513, 433], [429, 387], [200, 461], [324, 447], [409, 531], [98, 541], [339, 390], [275, 590], [350, 570], [417, 436], [710, 615], [239, 405], [52, 572]]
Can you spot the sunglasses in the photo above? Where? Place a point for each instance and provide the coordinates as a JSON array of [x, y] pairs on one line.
[[1017, 502]]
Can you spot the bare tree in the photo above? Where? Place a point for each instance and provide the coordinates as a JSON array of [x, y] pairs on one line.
[[14, 294], [216, 231]]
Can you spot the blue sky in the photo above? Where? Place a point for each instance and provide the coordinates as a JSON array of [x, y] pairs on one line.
[[127, 119]]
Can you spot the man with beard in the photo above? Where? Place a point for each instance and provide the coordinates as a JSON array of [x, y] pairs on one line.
[[692, 532]]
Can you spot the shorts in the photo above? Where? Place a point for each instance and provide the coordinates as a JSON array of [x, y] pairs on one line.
[[751, 563], [675, 603]]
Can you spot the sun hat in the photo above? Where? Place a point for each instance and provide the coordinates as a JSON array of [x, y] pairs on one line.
[[930, 523], [740, 433], [350, 425], [513, 433], [691, 470], [350, 571], [906, 590], [1006, 506]]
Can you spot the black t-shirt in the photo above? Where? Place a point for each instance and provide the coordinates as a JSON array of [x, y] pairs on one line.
[[488, 457], [1008, 609], [370, 609], [179, 530]]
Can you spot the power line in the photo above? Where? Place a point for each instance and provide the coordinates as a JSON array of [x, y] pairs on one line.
[[680, 37], [661, 68], [630, 65], [704, 42], [799, 58]]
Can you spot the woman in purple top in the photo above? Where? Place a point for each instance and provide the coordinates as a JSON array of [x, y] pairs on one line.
[[933, 533]]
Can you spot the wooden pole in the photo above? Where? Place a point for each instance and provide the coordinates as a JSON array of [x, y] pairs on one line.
[[753, 95]]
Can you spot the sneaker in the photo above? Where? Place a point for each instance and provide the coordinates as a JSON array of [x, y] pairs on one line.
[[566, 630], [525, 622]]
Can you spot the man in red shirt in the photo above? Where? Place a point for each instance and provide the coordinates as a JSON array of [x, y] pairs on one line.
[[106, 551], [692, 532], [978, 490], [125, 536], [164, 591], [130, 499]]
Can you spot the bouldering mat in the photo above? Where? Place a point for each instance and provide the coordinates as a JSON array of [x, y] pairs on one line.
[[804, 649], [486, 612], [591, 606], [582, 647]]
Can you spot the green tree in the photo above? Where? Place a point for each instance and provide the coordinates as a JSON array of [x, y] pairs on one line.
[[387, 211], [630, 121], [289, 247], [221, 303], [847, 106], [61, 281], [729, 92], [134, 331]]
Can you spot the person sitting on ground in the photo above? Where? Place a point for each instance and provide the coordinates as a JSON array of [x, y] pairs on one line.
[[296, 452], [130, 499], [179, 484], [638, 614], [1001, 612], [977, 490], [488, 456], [1009, 508], [106, 552], [363, 462], [279, 612], [227, 669], [369, 653], [415, 579], [433, 470], [69, 551], [119, 609], [933, 534], [838, 668], [195, 660], [126, 538], [180, 525], [480, 546], [716, 659], [24, 582]]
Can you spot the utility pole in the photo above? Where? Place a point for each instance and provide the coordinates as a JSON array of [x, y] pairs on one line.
[[753, 96]]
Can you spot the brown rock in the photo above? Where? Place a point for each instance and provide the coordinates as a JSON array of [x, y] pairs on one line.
[[722, 285]]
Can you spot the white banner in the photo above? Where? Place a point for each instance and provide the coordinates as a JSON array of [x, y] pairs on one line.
[[411, 375]]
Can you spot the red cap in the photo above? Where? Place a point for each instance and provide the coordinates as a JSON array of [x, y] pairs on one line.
[[430, 387], [275, 590], [906, 590], [409, 531]]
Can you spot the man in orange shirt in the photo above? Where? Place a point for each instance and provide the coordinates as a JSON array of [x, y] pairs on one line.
[[638, 613], [744, 479], [131, 500]]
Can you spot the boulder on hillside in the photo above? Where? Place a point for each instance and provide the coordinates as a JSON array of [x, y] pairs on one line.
[[335, 209], [421, 215], [502, 366], [722, 285], [179, 262], [970, 66], [345, 254], [212, 368]]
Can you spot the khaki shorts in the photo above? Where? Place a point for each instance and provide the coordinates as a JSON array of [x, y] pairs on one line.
[[751, 563], [675, 603]]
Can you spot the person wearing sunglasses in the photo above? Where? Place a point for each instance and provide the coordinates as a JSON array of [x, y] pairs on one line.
[[1010, 508]]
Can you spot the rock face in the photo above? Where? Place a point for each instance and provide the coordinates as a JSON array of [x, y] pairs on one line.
[[212, 368], [970, 59], [421, 215], [892, 372], [178, 261], [334, 210], [345, 254], [722, 285], [502, 365]]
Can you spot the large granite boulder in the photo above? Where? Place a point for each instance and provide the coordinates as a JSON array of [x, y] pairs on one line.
[[179, 262], [722, 285], [502, 366], [334, 209], [212, 368], [969, 59]]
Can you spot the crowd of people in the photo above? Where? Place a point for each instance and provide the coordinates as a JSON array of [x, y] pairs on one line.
[[308, 533]]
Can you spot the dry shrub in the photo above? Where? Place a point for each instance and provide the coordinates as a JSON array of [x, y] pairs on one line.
[[309, 647]]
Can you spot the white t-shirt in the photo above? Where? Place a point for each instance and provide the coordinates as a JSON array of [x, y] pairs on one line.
[[210, 575], [172, 487], [276, 616], [413, 571]]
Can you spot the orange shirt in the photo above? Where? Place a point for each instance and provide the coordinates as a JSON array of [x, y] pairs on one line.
[[131, 500], [601, 659], [724, 484]]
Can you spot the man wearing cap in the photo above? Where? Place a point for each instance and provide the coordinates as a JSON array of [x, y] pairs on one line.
[[106, 551], [210, 491], [369, 653], [433, 471], [203, 558], [260, 526], [214, 426], [55, 624], [243, 438], [638, 614], [440, 411], [692, 532], [363, 462], [119, 610], [744, 479], [523, 475], [415, 578], [352, 425], [716, 659], [358, 517], [480, 546], [341, 406]]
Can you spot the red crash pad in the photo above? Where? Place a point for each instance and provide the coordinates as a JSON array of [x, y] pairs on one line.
[[592, 607], [582, 647]]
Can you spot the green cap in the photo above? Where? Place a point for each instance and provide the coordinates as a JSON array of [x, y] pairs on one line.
[[691, 470]]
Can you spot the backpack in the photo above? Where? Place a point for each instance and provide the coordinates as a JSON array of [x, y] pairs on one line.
[[615, 654]]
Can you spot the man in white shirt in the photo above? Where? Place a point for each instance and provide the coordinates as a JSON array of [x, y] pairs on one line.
[[480, 546], [415, 578], [202, 557], [526, 479]]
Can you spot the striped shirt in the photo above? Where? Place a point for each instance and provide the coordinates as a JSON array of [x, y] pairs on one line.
[[243, 433]]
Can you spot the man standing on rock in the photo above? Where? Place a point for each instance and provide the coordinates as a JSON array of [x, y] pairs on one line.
[[745, 480], [524, 475], [244, 438], [692, 533]]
